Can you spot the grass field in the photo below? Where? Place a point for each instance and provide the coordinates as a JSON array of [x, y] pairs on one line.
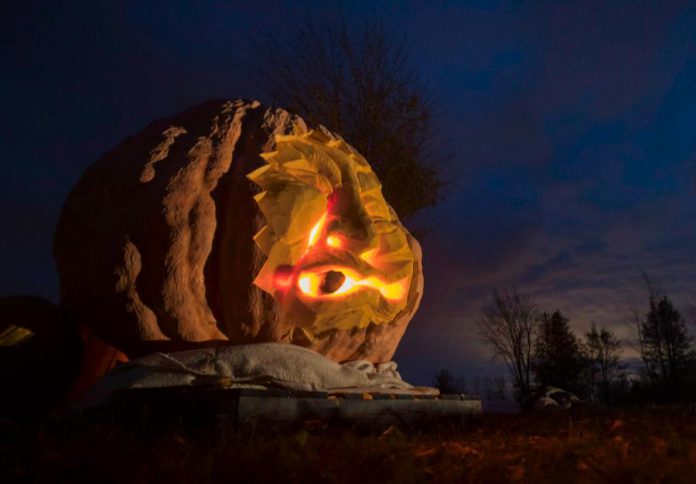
[[587, 445]]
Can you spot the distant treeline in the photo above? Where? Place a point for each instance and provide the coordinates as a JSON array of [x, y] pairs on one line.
[[541, 350]]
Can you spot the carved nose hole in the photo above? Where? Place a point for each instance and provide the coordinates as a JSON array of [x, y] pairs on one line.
[[332, 281]]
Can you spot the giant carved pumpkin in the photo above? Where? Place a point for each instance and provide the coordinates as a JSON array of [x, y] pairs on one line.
[[233, 223]]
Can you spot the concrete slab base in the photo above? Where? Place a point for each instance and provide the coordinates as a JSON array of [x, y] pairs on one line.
[[200, 405]]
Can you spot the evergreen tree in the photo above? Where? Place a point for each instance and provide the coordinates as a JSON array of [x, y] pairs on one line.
[[558, 359], [666, 344]]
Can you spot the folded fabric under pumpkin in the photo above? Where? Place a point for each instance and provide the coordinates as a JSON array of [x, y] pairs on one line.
[[268, 364]]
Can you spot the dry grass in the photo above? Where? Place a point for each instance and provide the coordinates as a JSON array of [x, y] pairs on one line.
[[647, 445]]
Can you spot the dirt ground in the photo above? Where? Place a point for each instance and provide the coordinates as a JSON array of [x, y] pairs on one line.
[[587, 445]]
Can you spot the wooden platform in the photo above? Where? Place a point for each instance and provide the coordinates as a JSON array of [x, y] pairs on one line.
[[201, 405]]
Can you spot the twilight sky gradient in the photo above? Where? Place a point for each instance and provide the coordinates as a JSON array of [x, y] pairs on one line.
[[572, 127]]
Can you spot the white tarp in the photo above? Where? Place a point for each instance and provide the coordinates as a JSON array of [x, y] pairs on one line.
[[268, 364]]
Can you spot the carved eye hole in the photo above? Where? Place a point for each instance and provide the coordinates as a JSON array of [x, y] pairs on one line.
[[332, 282]]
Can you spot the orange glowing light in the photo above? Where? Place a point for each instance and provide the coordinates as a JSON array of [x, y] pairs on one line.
[[334, 241], [316, 231], [310, 282], [282, 277], [283, 281], [369, 256]]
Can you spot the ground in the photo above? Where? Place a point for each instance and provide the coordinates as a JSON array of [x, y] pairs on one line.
[[588, 445]]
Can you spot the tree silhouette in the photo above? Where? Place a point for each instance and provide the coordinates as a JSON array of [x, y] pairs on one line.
[[507, 325], [603, 350], [666, 343], [447, 383], [358, 83], [558, 359]]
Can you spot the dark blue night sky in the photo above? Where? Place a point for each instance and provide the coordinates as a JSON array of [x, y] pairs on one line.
[[572, 130]]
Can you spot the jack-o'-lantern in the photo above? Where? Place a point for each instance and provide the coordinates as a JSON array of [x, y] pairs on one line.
[[234, 223]]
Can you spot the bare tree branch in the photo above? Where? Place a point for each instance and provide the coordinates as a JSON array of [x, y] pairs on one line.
[[357, 81], [507, 325]]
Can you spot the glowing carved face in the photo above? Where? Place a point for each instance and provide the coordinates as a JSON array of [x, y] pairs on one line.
[[337, 256]]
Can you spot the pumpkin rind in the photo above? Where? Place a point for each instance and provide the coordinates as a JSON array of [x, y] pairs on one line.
[[160, 242]]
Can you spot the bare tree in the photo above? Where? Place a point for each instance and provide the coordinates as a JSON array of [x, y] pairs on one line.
[[476, 385], [448, 384], [603, 350], [508, 325], [691, 315], [636, 317], [495, 387], [634, 321], [358, 82]]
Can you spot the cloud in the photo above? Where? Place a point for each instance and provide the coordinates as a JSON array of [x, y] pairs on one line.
[[571, 251]]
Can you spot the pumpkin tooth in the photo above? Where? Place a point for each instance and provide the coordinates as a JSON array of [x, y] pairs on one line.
[[264, 279], [265, 239], [258, 198], [269, 155], [258, 173]]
